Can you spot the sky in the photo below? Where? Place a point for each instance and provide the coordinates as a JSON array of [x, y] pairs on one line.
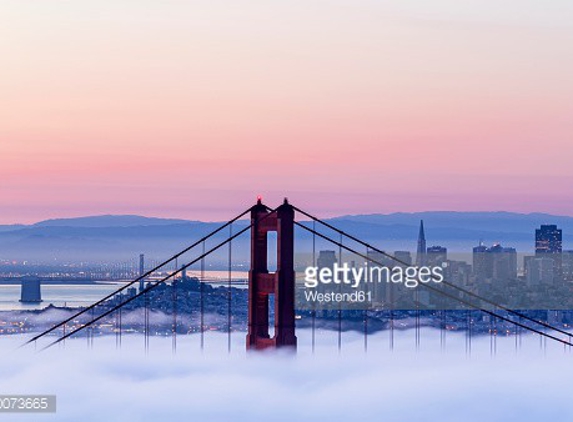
[[430, 385], [192, 109]]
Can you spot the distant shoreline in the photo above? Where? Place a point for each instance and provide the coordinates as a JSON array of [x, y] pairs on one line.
[[17, 281]]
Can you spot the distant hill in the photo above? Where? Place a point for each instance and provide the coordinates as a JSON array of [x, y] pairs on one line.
[[123, 237], [12, 227], [110, 221], [500, 221]]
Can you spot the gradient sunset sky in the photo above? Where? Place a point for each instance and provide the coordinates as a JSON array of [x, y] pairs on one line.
[[191, 108]]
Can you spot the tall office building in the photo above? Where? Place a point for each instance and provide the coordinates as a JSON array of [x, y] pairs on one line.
[[403, 256], [481, 266], [381, 260], [436, 256], [379, 287], [458, 273], [504, 263], [326, 259], [549, 244], [540, 270], [567, 265], [494, 263], [421, 252], [548, 240]]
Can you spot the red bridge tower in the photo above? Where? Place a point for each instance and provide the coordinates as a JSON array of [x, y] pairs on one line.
[[262, 283]]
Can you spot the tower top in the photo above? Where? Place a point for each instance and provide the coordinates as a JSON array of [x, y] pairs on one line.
[[422, 234], [421, 253]]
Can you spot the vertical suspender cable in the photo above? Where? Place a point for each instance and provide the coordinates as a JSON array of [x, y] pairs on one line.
[[229, 292], [519, 333], [92, 330], [392, 304], [120, 316], [116, 324], [314, 302], [339, 305], [417, 317], [445, 329], [365, 311], [202, 298], [491, 336], [146, 300], [174, 311], [468, 331], [495, 322], [516, 334]]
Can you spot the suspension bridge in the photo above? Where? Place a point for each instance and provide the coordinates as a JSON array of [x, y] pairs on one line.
[[270, 297]]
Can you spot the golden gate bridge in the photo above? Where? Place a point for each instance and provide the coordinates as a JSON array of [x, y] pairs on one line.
[[276, 288]]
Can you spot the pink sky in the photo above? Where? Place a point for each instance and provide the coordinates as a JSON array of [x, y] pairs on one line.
[[191, 109]]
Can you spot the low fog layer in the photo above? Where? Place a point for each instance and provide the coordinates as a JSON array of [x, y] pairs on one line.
[[105, 383]]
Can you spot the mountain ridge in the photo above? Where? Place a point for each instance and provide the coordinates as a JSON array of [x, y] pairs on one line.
[[121, 237], [131, 220]]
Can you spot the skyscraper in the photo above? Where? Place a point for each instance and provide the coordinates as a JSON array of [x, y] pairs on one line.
[[404, 256], [567, 265], [481, 262], [436, 256], [326, 259], [549, 244], [458, 273], [496, 263], [380, 288], [421, 253], [540, 270], [504, 263], [548, 240]]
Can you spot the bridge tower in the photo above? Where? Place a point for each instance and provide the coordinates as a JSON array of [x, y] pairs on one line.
[[262, 284]]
